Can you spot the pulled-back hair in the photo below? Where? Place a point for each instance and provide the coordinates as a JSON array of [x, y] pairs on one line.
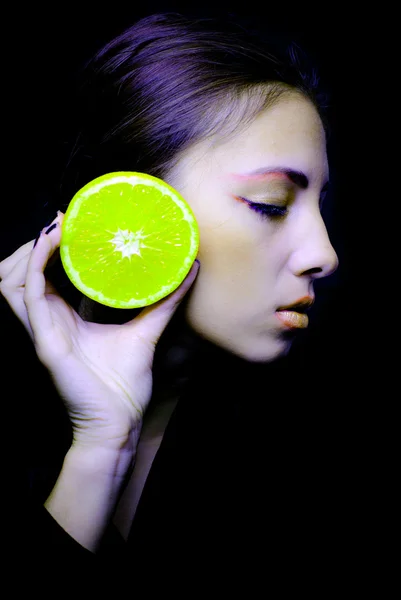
[[169, 81]]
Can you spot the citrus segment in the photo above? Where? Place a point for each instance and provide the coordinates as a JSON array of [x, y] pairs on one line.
[[128, 239]]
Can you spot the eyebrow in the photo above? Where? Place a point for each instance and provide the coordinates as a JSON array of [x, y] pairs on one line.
[[297, 177]]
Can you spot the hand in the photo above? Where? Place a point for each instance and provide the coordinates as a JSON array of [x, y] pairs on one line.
[[102, 372]]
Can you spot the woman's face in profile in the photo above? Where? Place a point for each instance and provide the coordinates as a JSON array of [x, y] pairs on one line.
[[256, 197]]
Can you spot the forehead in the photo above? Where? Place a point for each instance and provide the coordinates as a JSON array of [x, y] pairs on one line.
[[290, 133]]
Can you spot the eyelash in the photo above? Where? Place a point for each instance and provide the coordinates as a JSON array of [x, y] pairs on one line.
[[271, 211], [267, 211]]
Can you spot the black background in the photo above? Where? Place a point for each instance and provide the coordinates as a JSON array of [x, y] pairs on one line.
[[341, 364], [50, 44]]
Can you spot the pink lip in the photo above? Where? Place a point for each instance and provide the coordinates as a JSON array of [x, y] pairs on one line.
[[293, 316], [300, 305], [293, 319]]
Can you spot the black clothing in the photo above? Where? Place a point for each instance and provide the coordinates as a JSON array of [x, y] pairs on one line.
[[244, 480]]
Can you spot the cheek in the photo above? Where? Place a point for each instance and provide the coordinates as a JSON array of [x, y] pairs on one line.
[[235, 250], [228, 235], [242, 244], [235, 269], [226, 250]]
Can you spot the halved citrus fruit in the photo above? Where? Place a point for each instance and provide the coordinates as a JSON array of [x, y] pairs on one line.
[[128, 239]]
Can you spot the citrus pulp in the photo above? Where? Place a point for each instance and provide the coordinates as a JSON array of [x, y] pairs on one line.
[[128, 239]]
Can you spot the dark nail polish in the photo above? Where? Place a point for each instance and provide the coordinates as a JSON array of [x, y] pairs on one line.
[[51, 228], [36, 239], [198, 261], [49, 222]]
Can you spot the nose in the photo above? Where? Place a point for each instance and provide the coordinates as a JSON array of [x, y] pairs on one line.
[[314, 254]]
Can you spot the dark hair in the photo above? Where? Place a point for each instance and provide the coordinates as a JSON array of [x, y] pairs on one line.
[[170, 80]]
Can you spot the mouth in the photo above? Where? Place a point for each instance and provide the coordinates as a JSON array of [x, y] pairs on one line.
[[292, 319], [294, 315]]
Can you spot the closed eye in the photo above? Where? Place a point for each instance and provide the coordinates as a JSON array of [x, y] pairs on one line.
[[266, 210]]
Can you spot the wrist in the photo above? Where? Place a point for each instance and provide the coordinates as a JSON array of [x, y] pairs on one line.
[[112, 455], [100, 461], [86, 492]]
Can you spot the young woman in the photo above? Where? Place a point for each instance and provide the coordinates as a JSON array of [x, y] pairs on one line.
[[211, 462]]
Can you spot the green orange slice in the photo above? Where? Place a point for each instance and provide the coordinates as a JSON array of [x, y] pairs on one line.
[[128, 239]]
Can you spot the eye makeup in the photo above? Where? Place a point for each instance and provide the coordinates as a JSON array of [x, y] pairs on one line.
[[278, 174], [275, 180], [263, 209], [274, 173]]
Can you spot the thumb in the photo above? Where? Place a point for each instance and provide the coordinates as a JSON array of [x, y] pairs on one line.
[[153, 319]]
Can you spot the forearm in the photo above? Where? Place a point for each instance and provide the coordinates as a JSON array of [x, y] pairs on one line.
[[87, 489]]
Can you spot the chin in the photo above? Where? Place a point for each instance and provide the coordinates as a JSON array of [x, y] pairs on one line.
[[257, 350], [262, 355], [255, 347]]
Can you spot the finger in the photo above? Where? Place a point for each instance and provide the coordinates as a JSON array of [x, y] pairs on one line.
[[152, 321], [8, 264], [14, 268], [35, 300], [12, 288]]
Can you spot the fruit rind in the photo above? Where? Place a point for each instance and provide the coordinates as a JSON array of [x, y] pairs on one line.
[[68, 231]]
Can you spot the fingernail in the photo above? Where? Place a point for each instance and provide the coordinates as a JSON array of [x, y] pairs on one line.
[[36, 239], [51, 228], [49, 222], [198, 261]]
